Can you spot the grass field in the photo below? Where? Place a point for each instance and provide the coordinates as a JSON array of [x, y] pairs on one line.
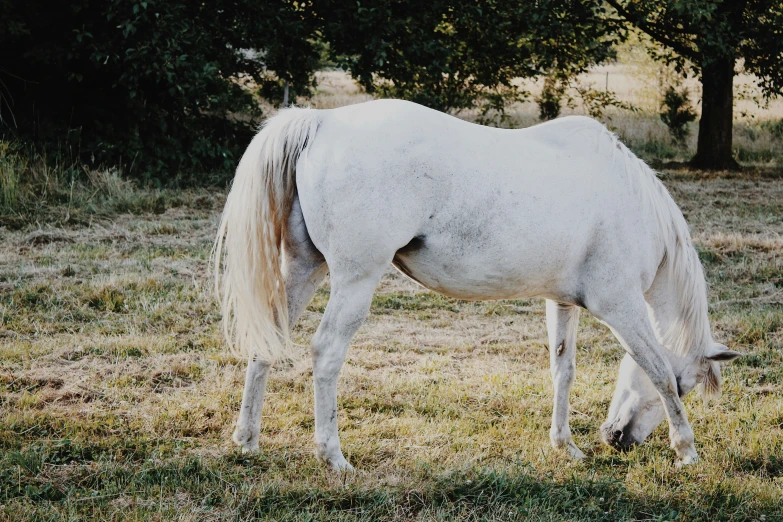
[[118, 397]]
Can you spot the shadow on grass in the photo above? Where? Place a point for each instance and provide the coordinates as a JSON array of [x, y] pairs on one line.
[[92, 483], [682, 171], [517, 493]]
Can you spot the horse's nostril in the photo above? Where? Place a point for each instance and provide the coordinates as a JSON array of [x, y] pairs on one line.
[[610, 435], [619, 439]]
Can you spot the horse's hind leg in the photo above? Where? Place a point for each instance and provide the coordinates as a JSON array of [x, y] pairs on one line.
[[303, 270], [248, 426], [349, 303], [562, 321]]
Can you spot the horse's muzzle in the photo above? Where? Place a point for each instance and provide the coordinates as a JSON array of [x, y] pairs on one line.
[[617, 438]]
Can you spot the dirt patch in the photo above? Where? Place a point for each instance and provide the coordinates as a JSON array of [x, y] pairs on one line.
[[40, 238], [30, 382]]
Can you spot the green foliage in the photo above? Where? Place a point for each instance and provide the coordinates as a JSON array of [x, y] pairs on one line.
[[157, 86], [775, 127], [595, 101], [550, 99], [704, 31], [677, 112], [166, 86], [459, 55]]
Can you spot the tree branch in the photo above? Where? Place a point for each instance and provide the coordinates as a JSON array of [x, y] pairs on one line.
[[678, 47]]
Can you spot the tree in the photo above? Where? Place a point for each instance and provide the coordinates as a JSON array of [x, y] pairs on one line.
[[714, 35], [456, 55], [156, 85]]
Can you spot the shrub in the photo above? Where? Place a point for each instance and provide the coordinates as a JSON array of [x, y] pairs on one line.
[[156, 86], [677, 113], [550, 98]]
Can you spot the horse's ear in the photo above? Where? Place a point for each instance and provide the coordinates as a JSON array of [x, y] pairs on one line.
[[717, 353], [720, 353]]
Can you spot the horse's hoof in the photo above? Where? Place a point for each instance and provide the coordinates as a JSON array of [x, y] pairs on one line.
[[332, 456], [687, 460], [245, 439], [575, 452], [686, 452], [342, 465], [336, 462], [565, 443]]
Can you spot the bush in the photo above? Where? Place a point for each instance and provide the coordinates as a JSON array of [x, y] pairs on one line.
[[550, 99], [156, 86], [466, 55], [775, 127], [677, 113]]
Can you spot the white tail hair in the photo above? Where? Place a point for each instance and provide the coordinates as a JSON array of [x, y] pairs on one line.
[[247, 255]]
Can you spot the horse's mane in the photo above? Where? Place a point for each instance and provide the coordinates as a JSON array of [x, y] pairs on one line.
[[690, 335]]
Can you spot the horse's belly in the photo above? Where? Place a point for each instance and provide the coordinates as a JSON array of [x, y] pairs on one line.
[[489, 271]]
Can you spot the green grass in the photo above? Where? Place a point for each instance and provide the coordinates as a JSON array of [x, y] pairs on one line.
[[118, 396]]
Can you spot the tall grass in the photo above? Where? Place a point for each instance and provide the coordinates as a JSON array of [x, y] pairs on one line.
[[35, 189], [11, 167]]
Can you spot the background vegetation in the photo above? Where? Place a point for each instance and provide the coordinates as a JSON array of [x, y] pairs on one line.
[[167, 90], [157, 87]]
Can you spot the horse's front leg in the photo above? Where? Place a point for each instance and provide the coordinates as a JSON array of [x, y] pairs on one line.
[[630, 323], [562, 321]]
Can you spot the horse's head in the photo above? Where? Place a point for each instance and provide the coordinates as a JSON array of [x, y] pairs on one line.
[[637, 409]]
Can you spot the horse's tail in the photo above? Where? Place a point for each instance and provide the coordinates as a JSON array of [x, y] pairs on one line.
[[247, 251]]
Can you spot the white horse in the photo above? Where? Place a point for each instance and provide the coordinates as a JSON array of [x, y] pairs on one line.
[[561, 210]]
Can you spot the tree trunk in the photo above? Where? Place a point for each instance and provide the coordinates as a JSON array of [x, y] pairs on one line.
[[717, 115]]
